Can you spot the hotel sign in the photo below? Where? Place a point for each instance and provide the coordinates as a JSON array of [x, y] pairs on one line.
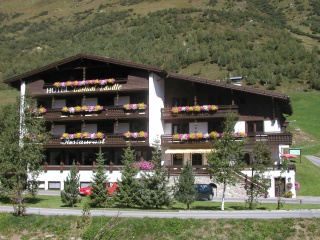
[[105, 88]]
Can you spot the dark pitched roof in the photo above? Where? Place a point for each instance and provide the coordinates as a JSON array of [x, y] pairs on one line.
[[84, 56], [284, 99]]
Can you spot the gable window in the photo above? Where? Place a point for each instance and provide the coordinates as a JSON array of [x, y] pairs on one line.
[[254, 126]]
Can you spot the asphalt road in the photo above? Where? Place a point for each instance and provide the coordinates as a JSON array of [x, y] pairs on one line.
[[256, 214], [315, 160]]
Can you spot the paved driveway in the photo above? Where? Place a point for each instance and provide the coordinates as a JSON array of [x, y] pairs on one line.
[[315, 160]]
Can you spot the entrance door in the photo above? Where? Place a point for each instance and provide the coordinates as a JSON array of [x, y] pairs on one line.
[[279, 186]]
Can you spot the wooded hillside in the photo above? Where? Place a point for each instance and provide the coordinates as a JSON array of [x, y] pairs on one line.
[[273, 44]]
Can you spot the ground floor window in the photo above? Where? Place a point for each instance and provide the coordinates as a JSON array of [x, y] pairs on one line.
[[196, 159], [177, 159]]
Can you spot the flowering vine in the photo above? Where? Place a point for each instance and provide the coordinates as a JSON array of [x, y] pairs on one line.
[[140, 134], [82, 109], [81, 83], [79, 135], [196, 108]]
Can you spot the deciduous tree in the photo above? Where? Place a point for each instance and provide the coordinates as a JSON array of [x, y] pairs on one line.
[[226, 157], [257, 186], [22, 135]]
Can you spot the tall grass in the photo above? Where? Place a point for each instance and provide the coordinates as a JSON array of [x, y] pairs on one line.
[[65, 227]]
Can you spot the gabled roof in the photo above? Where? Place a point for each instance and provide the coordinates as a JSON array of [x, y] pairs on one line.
[[284, 99], [84, 56]]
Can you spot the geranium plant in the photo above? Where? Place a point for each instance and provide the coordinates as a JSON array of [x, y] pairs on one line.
[[81, 83], [144, 165], [196, 108], [140, 134], [134, 106], [84, 135], [198, 135], [82, 109], [40, 110]]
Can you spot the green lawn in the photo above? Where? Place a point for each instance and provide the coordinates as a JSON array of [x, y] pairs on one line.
[[55, 202]]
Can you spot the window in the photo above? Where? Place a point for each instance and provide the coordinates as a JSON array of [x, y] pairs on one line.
[[196, 159], [215, 126], [180, 128], [54, 185], [255, 126], [177, 159], [179, 102]]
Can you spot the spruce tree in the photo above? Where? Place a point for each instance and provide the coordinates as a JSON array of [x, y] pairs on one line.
[[128, 185], [99, 193], [226, 158], [185, 189], [70, 194], [154, 184]]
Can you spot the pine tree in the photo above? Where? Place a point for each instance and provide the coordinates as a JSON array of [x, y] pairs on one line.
[[185, 189], [128, 186], [70, 194], [99, 194], [227, 156], [154, 185], [21, 153]]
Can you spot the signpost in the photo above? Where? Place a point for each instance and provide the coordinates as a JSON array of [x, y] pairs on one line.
[[295, 151]]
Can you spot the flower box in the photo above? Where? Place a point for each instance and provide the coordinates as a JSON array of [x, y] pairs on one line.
[[134, 106], [81, 109], [194, 109], [80, 83], [140, 134], [84, 135]]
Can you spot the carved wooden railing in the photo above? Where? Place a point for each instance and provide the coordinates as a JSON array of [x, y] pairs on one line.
[[110, 140], [222, 111], [283, 138], [107, 112], [172, 169]]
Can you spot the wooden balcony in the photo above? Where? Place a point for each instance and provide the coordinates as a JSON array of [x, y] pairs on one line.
[[112, 112], [223, 110], [268, 138], [110, 140]]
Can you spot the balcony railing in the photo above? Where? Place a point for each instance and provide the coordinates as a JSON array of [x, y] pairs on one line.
[[222, 111], [272, 138], [107, 112], [172, 170], [110, 140]]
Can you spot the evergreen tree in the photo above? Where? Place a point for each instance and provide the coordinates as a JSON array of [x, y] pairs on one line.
[[70, 194], [99, 194], [22, 136], [128, 186], [185, 188], [154, 185], [257, 186], [227, 156]]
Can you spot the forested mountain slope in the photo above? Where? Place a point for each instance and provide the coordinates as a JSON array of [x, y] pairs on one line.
[[273, 44]]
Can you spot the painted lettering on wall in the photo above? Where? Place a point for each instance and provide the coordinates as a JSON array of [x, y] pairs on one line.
[[82, 141], [114, 87]]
